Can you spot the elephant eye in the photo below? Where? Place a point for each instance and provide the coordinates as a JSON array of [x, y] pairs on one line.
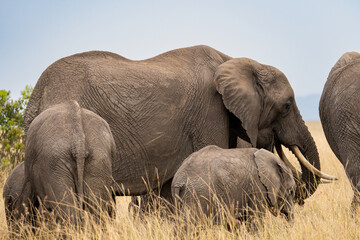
[[287, 107]]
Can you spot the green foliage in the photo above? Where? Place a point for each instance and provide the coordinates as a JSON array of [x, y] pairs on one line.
[[12, 127]]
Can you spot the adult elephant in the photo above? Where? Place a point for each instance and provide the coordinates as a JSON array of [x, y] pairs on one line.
[[340, 115], [162, 109]]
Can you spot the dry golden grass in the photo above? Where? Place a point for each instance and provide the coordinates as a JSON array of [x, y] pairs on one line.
[[325, 215]]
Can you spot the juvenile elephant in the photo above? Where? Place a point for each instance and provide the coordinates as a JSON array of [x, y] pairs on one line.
[[162, 109], [68, 162], [247, 180], [340, 115], [144, 203], [12, 190]]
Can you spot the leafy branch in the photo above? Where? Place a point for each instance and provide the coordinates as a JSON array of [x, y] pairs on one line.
[[12, 127]]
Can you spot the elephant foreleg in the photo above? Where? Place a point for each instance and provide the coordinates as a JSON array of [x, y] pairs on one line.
[[158, 200]]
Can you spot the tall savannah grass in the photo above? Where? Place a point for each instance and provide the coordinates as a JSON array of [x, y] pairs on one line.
[[325, 215]]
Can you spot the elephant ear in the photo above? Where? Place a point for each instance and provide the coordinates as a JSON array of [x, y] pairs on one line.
[[239, 81], [270, 170]]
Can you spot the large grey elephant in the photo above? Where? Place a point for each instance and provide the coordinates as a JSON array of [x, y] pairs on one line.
[[68, 163], [247, 180], [162, 109], [340, 115]]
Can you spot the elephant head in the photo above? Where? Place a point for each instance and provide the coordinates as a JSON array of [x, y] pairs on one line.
[[264, 112], [278, 182]]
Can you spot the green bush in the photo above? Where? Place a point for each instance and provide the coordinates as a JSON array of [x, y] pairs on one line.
[[12, 127]]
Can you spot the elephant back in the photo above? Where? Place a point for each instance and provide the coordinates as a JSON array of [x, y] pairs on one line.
[[337, 103]]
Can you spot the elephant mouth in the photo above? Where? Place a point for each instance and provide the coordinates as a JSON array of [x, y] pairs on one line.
[[301, 189]]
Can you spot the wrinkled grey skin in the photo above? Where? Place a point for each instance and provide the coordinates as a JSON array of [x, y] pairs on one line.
[[12, 190], [68, 150], [162, 109], [340, 115], [248, 178]]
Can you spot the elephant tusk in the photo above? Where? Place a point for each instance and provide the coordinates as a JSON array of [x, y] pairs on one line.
[[325, 181], [309, 166], [296, 173]]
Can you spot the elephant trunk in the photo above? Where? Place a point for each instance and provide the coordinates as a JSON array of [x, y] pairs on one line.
[[311, 176], [299, 140], [306, 152], [310, 152]]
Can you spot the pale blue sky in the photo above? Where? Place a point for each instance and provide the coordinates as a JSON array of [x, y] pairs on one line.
[[302, 38]]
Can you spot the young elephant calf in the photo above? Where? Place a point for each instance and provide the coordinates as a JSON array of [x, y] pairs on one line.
[[68, 163], [246, 180], [12, 190]]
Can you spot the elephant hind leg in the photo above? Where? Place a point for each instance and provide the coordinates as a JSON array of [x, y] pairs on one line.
[[56, 194], [64, 205], [98, 196], [99, 201], [352, 170]]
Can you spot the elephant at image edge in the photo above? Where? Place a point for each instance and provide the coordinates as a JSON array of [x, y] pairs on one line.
[[340, 115], [11, 192], [162, 109], [68, 150], [251, 179]]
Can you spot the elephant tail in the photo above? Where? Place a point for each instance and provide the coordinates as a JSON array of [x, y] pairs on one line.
[[78, 149]]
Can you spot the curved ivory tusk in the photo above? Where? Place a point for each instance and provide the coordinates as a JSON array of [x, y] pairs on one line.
[[325, 181], [282, 155], [309, 166]]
